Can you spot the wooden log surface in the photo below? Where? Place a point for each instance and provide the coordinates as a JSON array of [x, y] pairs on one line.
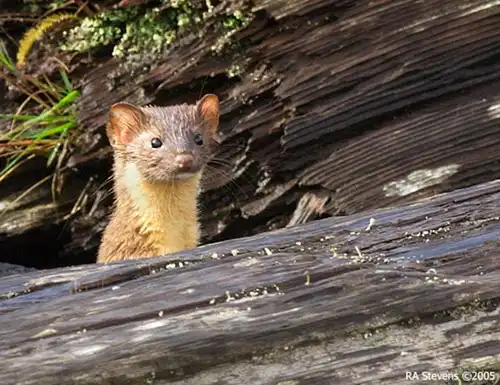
[[342, 106], [328, 302]]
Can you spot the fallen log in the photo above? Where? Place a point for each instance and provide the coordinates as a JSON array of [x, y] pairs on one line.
[[338, 107], [340, 300]]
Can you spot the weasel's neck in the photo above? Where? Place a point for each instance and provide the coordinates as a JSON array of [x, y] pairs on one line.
[[165, 214]]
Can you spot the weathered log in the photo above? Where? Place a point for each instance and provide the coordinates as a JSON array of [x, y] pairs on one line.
[[364, 103], [325, 302]]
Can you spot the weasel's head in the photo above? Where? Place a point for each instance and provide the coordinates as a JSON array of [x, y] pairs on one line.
[[165, 143]]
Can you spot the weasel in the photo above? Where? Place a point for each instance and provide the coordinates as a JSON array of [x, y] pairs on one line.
[[159, 155]]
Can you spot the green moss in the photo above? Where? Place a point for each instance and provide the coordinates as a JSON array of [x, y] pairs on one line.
[[130, 32], [152, 32], [227, 27], [235, 21], [136, 33], [98, 31], [238, 67], [133, 33]]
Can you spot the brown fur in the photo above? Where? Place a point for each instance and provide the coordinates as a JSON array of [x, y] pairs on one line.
[[156, 204]]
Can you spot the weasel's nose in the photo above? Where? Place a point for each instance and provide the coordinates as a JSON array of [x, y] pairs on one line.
[[184, 161]]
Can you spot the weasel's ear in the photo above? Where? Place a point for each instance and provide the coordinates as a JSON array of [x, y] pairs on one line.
[[208, 108], [125, 121]]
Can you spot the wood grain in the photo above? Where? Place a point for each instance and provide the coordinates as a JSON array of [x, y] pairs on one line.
[[370, 103], [324, 302]]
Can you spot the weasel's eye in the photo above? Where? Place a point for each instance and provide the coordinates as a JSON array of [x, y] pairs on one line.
[[198, 139], [156, 142]]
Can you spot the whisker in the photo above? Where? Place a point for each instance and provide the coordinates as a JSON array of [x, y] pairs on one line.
[[203, 86], [102, 186], [222, 163], [105, 194], [230, 146], [233, 194], [217, 172]]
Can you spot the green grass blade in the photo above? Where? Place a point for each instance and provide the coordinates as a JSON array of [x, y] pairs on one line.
[[50, 126], [53, 154], [7, 62], [16, 159], [65, 101], [18, 117], [48, 119], [20, 132], [62, 129], [56, 148], [66, 81]]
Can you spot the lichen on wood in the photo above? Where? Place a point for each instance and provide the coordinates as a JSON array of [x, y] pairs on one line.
[[140, 36]]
